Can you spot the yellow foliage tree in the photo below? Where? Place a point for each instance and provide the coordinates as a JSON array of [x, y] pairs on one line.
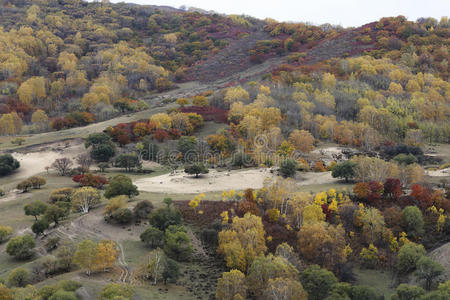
[[312, 214], [322, 243], [162, 120], [32, 91], [231, 286], [236, 94], [40, 120], [302, 140], [243, 242], [106, 256]]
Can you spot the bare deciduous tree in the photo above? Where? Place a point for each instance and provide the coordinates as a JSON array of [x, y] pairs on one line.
[[85, 161], [62, 165]]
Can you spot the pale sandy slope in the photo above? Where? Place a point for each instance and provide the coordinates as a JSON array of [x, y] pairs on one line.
[[32, 163], [181, 183]]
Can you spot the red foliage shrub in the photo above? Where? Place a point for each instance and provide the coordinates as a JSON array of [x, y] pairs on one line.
[[73, 119], [393, 219], [58, 124], [279, 234], [247, 206], [211, 211], [406, 200], [174, 134], [89, 179], [160, 135], [393, 188], [422, 195], [327, 212], [209, 113], [123, 139], [361, 190], [375, 192]]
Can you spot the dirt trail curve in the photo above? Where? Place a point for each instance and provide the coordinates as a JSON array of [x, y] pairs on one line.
[[78, 225]]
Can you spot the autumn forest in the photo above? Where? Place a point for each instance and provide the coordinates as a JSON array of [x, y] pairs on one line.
[[152, 152]]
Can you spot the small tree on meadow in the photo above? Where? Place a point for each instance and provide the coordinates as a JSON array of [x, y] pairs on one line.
[[35, 209], [288, 167], [344, 170], [196, 169], [84, 198], [121, 185], [21, 247], [63, 166]]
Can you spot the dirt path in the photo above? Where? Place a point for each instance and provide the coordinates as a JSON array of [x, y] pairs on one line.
[[82, 227]]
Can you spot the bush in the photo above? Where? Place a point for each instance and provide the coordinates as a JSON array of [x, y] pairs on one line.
[[39, 226], [19, 277], [8, 164], [69, 285], [150, 151], [52, 243], [62, 194], [35, 209], [142, 210], [319, 167], [128, 161], [210, 237], [408, 292], [344, 170], [408, 255], [317, 282], [360, 292], [152, 237], [369, 256], [273, 214], [37, 181], [177, 243], [413, 223], [5, 232], [24, 185], [196, 170], [171, 271], [18, 141], [116, 291], [21, 247], [405, 159], [121, 185], [103, 152], [96, 181], [288, 167], [164, 217], [428, 270], [103, 166], [241, 159], [122, 216]]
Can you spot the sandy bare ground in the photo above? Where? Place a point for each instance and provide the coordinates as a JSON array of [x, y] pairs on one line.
[[439, 173], [35, 161], [329, 154], [311, 178], [181, 183], [14, 195]]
